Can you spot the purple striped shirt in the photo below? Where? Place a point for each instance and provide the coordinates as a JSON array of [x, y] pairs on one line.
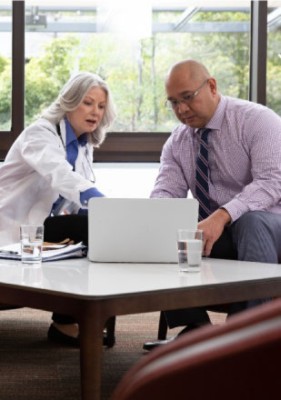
[[244, 159]]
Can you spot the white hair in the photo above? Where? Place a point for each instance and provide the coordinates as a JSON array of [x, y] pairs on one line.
[[71, 96]]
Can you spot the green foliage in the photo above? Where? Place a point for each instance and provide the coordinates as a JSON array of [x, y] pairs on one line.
[[46, 75], [3, 63], [5, 96], [222, 16]]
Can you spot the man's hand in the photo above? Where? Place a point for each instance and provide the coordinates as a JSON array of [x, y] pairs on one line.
[[212, 228]]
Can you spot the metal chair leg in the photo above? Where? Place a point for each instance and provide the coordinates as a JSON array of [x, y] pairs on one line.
[[110, 332]]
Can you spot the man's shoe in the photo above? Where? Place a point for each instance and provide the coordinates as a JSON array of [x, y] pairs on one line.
[[55, 335], [157, 343]]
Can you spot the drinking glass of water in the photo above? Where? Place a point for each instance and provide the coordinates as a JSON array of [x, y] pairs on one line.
[[31, 237], [190, 246]]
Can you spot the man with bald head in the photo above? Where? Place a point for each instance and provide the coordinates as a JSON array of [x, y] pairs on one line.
[[243, 217]]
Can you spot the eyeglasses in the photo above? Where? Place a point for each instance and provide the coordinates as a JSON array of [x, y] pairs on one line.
[[186, 99]]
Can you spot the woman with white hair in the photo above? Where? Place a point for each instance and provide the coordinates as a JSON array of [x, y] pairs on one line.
[[47, 176]]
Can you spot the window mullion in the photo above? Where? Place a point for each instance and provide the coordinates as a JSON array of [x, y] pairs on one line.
[[18, 63]]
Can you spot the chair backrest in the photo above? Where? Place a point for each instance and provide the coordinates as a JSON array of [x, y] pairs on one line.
[[236, 360]]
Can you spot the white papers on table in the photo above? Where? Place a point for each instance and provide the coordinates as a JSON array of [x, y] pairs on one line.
[[52, 253]]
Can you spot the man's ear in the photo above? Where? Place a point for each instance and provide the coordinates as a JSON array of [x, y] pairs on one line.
[[212, 85]]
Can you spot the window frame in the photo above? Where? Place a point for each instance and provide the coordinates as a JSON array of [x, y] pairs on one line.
[[128, 146]]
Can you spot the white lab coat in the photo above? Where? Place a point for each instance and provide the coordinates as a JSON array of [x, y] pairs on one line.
[[35, 173]]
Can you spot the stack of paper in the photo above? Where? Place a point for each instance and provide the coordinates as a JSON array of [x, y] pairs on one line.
[[51, 252]]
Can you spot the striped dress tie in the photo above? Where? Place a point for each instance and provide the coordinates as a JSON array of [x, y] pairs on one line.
[[202, 175]]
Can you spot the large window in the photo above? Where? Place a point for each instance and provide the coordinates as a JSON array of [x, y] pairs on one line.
[[5, 77], [131, 45], [12, 73], [62, 39]]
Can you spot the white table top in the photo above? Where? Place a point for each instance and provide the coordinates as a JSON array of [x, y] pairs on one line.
[[83, 278]]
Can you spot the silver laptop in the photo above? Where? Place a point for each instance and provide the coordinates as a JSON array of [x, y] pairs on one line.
[[138, 230]]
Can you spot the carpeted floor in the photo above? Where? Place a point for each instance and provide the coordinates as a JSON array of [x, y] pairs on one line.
[[34, 369]]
